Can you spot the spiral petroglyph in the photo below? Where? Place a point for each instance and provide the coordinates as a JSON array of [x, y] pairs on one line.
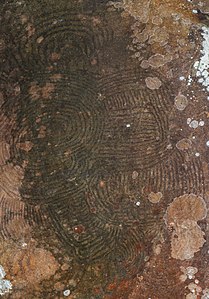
[[90, 156]]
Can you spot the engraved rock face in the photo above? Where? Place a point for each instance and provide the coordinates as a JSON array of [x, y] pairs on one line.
[[90, 154]]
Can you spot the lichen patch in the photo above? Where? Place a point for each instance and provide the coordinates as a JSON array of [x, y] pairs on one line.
[[186, 239], [181, 102], [29, 265], [153, 83], [184, 144], [155, 197], [182, 216], [188, 206]]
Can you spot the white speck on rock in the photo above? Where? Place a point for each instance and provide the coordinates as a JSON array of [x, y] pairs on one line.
[[201, 123], [66, 293], [5, 285], [188, 121], [202, 66], [2, 272], [24, 245], [189, 80], [207, 143], [197, 154], [194, 124], [138, 203]]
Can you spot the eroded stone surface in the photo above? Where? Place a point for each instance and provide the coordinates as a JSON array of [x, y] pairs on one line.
[[96, 146]]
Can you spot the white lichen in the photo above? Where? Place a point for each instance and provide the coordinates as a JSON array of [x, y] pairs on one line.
[[202, 65], [5, 285], [194, 124], [66, 293]]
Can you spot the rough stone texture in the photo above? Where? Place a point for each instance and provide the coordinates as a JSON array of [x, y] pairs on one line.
[[103, 149]]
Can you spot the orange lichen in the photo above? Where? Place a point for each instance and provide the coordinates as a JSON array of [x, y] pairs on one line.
[[42, 132], [182, 215], [155, 197], [153, 83], [34, 91], [180, 102], [186, 207], [25, 146], [33, 265], [47, 90], [184, 144], [158, 60], [17, 228], [187, 239], [29, 265], [44, 92], [164, 27]]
